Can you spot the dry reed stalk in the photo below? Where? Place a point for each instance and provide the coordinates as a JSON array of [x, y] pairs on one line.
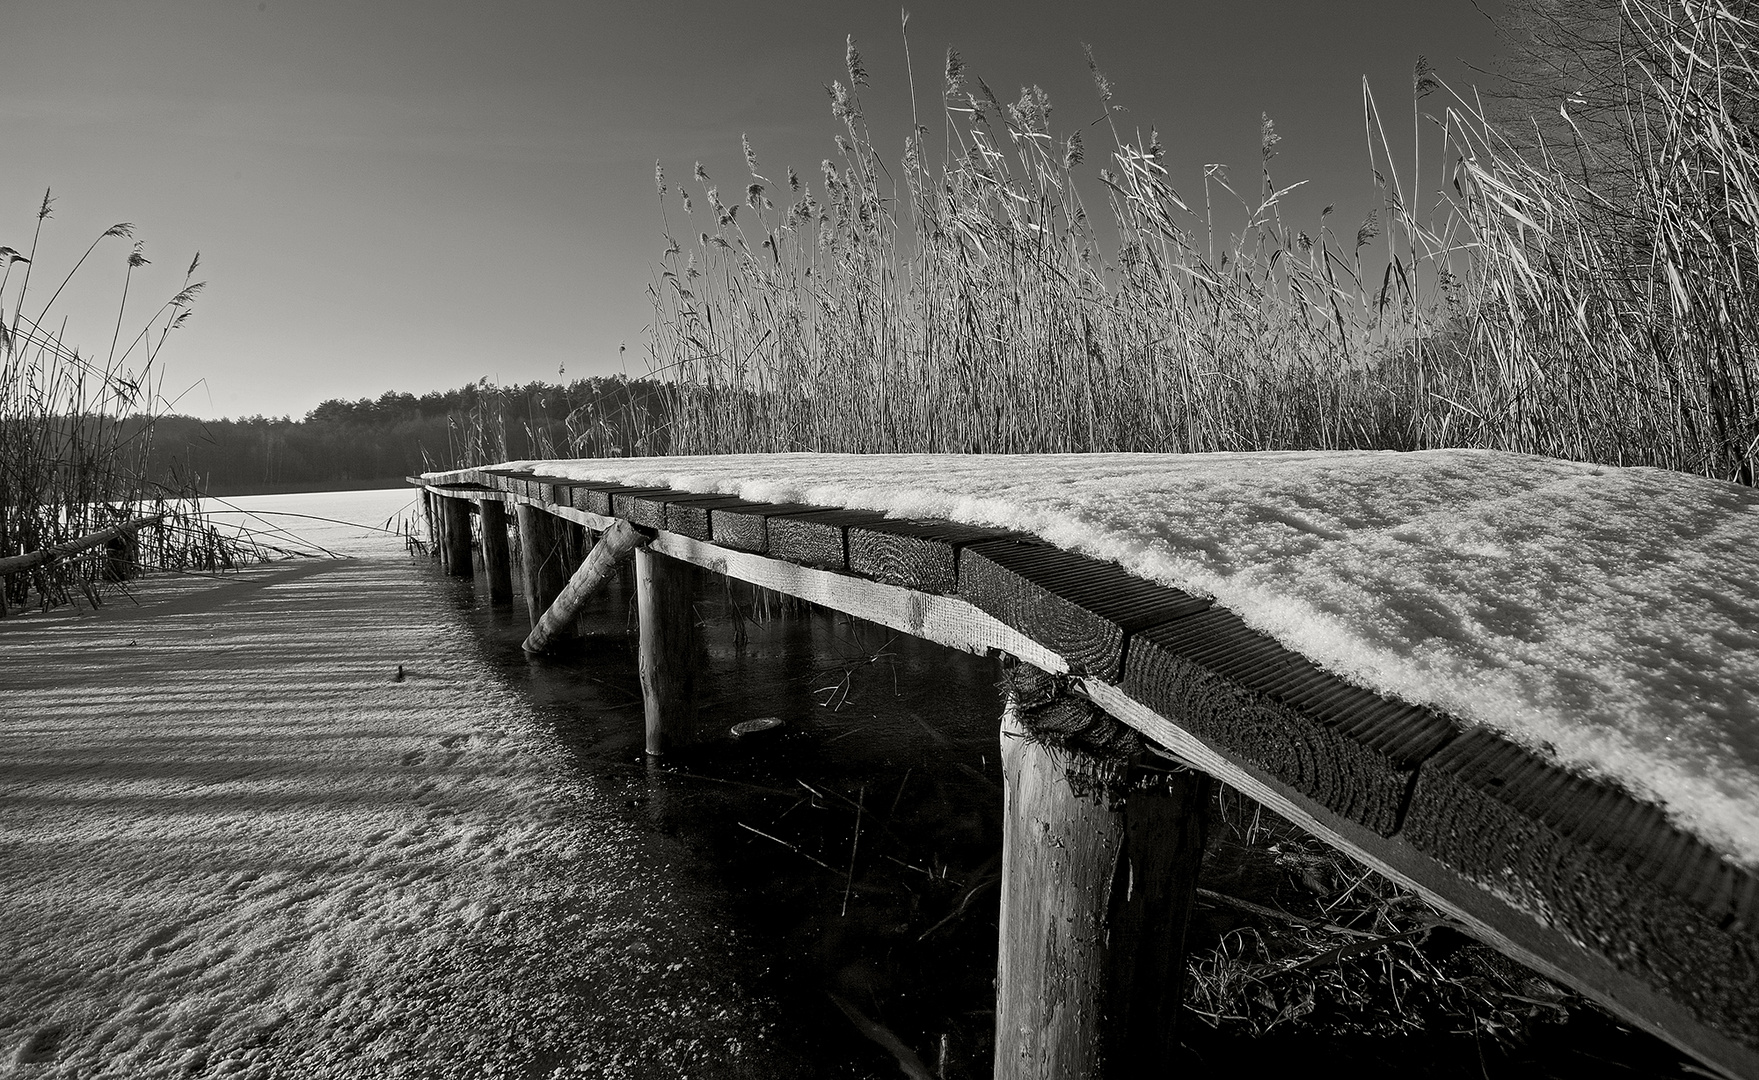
[[74, 441], [975, 305]]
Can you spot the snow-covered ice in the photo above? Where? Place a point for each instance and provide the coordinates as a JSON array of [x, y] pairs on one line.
[[234, 843], [1607, 616]]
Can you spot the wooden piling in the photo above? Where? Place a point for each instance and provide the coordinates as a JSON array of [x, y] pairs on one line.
[[542, 568], [618, 541], [671, 649], [455, 525], [1099, 865], [497, 561]]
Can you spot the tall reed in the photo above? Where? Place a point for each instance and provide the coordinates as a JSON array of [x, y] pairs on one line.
[[983, 304], [73, 444]]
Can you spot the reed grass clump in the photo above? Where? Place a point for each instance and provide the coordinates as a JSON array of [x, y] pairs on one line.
[[1027, 292], [75, 432]]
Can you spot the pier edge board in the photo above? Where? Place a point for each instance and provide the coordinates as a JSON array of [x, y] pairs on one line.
[[919, 553], [653, 510], [819, 538], [1084, 608], [1602, 868], [1354, 751], [746, 528], [694, 517]]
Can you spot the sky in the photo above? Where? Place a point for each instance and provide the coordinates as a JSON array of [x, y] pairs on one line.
[[412, 195]]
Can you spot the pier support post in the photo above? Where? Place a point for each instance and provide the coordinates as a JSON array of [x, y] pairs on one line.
[[455, 525], [1099, 864], [542, 567], [497, 560], [427, 509], [671, 649]]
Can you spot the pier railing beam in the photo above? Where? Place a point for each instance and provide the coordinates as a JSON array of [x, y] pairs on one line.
[[455, 527], [497, 560], [1099, 865], [541, 560], [671, 649]]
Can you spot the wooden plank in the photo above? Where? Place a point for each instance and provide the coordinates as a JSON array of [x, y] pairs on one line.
[[498, 479], [746, 528], [817, 539], [1601, 867], [1080, 607], [691, 516], [651, 509], [918, 554], [624, 504], [1350, 749], [571, 492]]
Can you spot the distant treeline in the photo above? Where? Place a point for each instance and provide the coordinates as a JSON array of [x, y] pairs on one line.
[[345, 444]]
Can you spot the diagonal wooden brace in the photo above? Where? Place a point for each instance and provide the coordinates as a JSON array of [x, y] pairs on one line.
[[618, 543]]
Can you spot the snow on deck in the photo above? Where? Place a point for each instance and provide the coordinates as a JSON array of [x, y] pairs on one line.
[[1608, 616], [232, 842]]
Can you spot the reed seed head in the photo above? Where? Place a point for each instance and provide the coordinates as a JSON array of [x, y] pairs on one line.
[[852, 59], [1369, 230], [1103, 84], [1423, 80], [954, 87]]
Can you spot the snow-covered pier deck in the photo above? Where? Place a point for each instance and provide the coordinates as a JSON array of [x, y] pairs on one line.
[[1528, 689]]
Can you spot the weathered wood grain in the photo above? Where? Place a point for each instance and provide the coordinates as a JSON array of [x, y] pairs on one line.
[[618, 542], [645, 506], [1598, 865], [1081, 607], [653, 509], [817, 539], [918, 554], [690, 517], [1350, 749], [1099, 866], [455, 528], [671, 649], [746, 528], [543, 562], [497, 556]]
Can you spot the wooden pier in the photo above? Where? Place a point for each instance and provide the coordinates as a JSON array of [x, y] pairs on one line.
[[1571, 877]]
